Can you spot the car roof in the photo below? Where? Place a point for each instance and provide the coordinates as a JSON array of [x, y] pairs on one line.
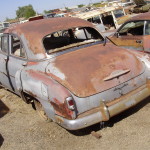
[[143, 16], [33, 32], [43, 27]]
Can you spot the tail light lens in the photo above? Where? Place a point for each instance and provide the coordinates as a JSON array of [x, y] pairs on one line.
[[70, 103]]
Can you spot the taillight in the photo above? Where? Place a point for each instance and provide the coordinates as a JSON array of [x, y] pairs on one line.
[[70, 103]]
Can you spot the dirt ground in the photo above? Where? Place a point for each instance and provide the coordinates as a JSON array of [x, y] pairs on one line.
[[22, 129]]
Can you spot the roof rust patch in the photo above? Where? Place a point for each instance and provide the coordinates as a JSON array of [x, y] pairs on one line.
[[34, 31], [143, 16], [93, 66]]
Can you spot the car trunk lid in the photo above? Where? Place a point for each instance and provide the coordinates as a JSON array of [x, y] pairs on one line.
[[94, 69]]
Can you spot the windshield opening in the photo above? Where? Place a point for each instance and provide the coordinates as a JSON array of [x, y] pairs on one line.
[[69, 38]]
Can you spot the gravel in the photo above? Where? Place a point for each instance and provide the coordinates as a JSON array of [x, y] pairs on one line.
[[22, 129]]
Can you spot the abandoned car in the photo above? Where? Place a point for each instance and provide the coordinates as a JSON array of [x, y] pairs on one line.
[[134, 34], [141, 6], [106, 19], [63, 67]]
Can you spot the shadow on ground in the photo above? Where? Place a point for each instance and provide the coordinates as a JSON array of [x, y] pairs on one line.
[[112, 121], [3, 109], [1, 140]]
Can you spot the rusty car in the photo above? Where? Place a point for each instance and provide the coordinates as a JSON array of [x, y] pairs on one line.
[[142, 6], [3, 26], [65, 68], [134, 34], [105, 19]]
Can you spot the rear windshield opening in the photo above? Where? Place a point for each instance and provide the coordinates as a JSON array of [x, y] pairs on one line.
[[74, 37]]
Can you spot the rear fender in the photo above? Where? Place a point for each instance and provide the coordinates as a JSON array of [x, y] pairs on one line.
[[50, 93]]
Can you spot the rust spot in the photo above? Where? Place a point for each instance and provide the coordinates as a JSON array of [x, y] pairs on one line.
[[59, 120], [85, 69], [59, 93], [34, 31], [143, 16], [62, 110], [32, 63]]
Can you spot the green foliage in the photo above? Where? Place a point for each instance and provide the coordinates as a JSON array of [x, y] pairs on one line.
[[98, 5], [81, 5], [25, 11], [47, 11], [67, 9], [10, 19]]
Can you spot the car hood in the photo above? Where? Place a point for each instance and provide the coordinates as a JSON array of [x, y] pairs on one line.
[[94, 69]]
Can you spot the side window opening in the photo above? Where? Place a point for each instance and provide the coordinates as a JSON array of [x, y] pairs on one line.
[[132, 28], [4, 44], [95, 19], [74, 37], [108, 21], [17, 48]]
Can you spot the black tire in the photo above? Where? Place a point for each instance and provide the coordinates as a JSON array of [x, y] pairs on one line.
[[39, 108]]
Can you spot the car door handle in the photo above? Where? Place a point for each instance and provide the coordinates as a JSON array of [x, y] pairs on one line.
[[139, 41]]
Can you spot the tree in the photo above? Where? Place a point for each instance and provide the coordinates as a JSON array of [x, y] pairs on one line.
[[67, 9], [25, 11], [81, 5], [47, 11]]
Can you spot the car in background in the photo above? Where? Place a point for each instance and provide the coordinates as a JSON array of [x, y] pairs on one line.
[[134, 33], [141, 6], [3, 26], [38, 17], [106, 19], [128, 6], [73, 80], [50, 15]]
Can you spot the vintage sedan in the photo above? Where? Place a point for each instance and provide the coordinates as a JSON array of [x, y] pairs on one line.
[[64, 67], [134, 33]]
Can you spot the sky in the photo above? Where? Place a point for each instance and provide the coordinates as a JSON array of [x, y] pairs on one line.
[[8, 7]]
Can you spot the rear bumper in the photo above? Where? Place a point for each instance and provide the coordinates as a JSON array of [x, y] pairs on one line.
[[106, 110]]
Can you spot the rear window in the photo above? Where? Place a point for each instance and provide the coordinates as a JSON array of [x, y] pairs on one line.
[[69, 38]]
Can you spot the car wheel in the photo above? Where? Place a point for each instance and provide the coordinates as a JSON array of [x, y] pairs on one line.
[[39, 108]]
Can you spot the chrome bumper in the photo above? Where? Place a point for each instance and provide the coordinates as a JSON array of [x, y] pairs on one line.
[[105, 112]]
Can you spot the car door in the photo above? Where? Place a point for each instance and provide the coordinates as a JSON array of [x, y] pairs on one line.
[[17, 61], [4, 47], [130, 35]]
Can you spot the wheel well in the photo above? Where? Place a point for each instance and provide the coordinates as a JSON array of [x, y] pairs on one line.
[[27, 97]]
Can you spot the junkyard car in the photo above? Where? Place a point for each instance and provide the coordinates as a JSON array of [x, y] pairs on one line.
[[74, 79], [141, 6], [134, 34], [3, 26]]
